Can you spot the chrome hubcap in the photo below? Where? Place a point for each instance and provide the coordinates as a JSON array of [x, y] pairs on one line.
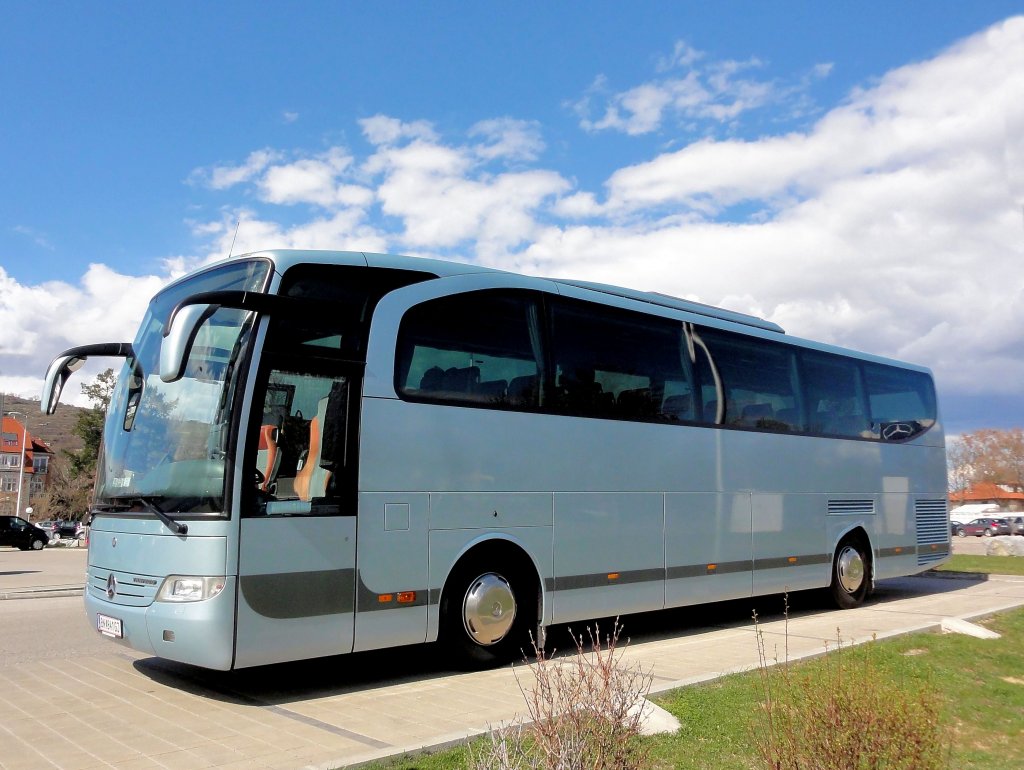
[[850, 568], [488, 609]]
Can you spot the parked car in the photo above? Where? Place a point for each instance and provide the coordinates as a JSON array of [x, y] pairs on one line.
[[985, 527], [49, 526], [15, 531], [969, 512], [956, 528], [70, 530], [1016, 525]]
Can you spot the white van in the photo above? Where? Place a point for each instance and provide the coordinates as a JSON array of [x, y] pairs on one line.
[[971, 511]]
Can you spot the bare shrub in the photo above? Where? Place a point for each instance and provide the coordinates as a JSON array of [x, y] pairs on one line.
[[845, 714], [583, 713]]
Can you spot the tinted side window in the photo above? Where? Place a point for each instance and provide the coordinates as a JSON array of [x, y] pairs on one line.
[[759, 379], [834, 396], [902, 402], [619, 364], [480, 348], [341, 301]]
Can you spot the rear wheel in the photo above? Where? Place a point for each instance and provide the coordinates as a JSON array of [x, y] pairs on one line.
[[488, 610], [988, 533], [851, 573], [961, 532]]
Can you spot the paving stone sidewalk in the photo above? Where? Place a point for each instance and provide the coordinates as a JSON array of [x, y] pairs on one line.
[[122, 710]]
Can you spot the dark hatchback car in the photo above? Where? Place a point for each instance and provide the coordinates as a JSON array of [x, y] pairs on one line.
[[1017, 525], [985, 527], [19, 533]]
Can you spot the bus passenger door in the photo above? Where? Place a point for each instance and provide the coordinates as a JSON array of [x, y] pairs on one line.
[[296, 558]]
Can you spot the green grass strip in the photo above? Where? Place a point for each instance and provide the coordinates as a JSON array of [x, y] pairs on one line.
[[980, 684], [986, 565]]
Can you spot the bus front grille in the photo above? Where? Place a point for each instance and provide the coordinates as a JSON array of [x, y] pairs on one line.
[[122, 587]]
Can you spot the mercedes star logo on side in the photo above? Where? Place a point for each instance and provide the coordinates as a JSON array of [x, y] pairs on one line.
[[111, 586], [895, 431]]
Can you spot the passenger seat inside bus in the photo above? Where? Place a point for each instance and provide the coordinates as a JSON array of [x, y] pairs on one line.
[[678, 408], [268, 457], [310, 479], [523, 391], [755, 414]]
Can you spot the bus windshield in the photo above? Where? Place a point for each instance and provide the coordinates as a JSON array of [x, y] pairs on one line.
[[165, 444]]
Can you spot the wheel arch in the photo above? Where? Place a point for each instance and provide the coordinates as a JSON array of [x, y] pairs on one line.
[[858, 531], [496, 547]]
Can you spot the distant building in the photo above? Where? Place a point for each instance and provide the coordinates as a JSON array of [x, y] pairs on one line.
[[37, 457], [1009, 497]]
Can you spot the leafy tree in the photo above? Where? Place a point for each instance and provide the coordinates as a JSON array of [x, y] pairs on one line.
[[89, 428], [66, 496], [990, 455]]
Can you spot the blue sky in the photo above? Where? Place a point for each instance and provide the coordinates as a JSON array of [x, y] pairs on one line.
[[838, 168]]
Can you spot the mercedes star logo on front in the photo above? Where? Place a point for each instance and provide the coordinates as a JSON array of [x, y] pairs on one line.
[[111, 586]]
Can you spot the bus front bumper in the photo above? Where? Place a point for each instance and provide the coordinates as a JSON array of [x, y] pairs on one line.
[[200, 633]]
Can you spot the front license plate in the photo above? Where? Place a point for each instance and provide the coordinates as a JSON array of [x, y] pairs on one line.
[[109, 626]]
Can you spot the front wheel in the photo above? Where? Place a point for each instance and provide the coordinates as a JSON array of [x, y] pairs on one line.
[[487, 613], [988, 533], [38, 544], [851, 574]]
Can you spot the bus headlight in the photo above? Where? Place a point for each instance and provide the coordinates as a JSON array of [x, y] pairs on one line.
[[186, 588]]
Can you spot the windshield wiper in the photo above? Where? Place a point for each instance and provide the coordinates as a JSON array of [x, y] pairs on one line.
[[176, 527]]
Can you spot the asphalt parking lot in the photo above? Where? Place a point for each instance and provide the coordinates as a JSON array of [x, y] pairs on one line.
[[71, 699]]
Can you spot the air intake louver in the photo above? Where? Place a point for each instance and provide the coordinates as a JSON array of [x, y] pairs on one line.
[[932, 530], [847, 507]]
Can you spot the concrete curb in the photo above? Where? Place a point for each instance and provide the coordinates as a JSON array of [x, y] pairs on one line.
[[42, 592]]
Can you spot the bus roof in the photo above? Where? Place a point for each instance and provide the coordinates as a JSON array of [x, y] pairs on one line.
[[285, 258]]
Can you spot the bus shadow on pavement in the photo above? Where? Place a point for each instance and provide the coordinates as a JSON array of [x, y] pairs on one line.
[[284, 683]]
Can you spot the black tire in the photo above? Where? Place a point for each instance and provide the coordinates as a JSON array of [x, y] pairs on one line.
[[478, 639], [960, 532], [38, 544], [851, 573], [987, 533]]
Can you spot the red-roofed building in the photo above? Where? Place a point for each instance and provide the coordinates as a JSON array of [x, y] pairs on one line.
[[36, 456], [1009, 497]]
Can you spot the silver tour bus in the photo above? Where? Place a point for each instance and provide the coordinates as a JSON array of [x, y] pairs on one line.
[[313, 453]]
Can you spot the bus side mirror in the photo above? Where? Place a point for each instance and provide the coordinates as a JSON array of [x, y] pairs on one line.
[[56, 375], [189, 314], [71, 360], [179, 334]]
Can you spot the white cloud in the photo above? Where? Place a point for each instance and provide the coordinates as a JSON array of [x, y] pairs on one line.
[[447, 196], [345, 230], [40, 321], [223, 177], [923, 116], [708, 92], [316, 180], [515, 140], [39, 239], [382, 129]]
